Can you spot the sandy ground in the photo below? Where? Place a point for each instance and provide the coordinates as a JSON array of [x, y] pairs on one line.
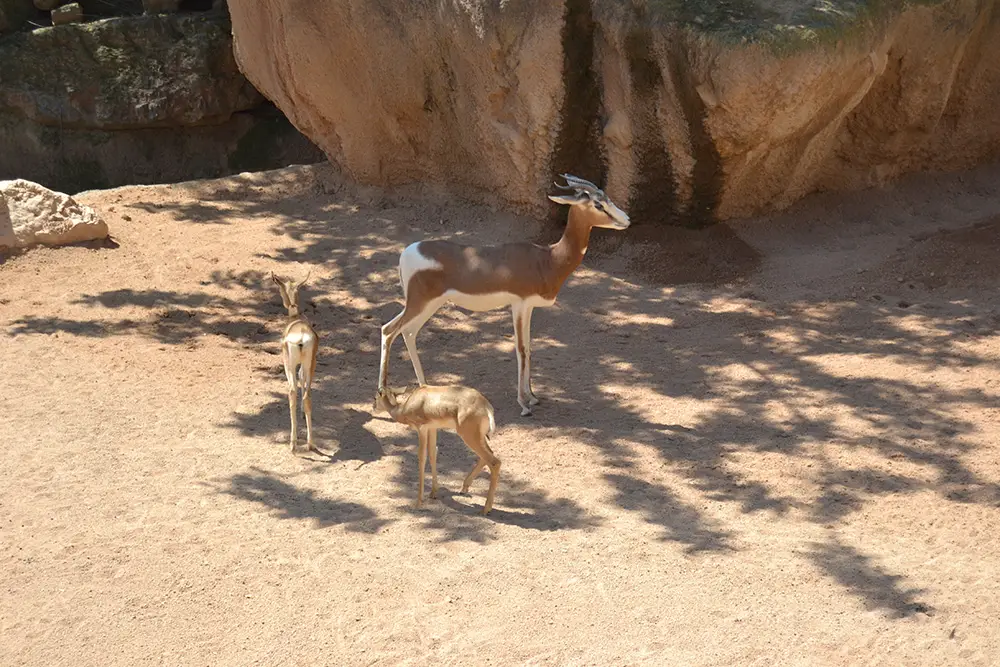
[[791, 461]]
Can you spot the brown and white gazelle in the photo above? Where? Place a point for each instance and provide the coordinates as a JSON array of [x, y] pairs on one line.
[[299, 344], [523, 276]]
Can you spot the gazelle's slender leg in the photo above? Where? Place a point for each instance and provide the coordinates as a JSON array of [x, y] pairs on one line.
[[517, 311], [410, 331], [410, 321], [389, 332], [494, 479], [410, 338], [478, 442], [292, 393], [432, 448], [526, 339], [308, 368], [471, 477], [422, 436]]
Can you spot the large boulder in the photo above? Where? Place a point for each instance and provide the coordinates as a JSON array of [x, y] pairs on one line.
[[129, 72], [449, 92], [34, 215], [689, 112], [135, 99]]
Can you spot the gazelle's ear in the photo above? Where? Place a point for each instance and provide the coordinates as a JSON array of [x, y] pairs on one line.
[[569, 200]]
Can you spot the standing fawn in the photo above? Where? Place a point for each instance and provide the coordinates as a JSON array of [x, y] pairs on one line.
[[523, 276], [299, 344], [460, 409]]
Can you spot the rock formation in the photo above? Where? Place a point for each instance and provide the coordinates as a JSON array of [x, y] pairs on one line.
[[34, 215], [689, 112], [135, 99]]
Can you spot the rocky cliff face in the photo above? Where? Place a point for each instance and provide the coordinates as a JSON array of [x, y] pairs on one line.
[[426, 91], [688, 113], [134, 99]]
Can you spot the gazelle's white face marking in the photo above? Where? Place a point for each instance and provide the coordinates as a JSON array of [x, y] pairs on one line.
[[614, 217], [618, 219], [411, 261]]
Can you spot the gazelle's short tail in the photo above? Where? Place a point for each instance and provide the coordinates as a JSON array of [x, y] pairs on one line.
[[493, 424]]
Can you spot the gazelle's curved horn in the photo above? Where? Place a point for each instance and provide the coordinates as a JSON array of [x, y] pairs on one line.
[[581, 183]]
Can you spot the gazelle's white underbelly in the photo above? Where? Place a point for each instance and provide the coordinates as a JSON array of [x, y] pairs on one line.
[[492, 300]]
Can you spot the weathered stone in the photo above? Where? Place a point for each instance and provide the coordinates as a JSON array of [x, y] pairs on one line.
[[39, 216], [75, 159], [129, 72], [135, 100], [7, 238], [453, 93], [691, 112], [71, 13], [13, 14]]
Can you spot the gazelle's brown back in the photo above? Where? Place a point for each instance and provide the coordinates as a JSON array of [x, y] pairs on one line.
[[443, 407]]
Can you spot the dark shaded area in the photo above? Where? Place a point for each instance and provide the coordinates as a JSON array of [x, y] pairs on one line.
[[271, 142], [681, 522], [524, 504], [707, 174], [675, 255], [578, 148], [291, 502], [654, 197], [867, 580]]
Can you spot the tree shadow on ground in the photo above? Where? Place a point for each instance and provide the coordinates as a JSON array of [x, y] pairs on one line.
[[288, 501], [764, 375], [518, 502], [867, 580]]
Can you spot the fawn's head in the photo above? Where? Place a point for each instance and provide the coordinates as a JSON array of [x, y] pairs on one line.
[[290, 292], [386, 398]]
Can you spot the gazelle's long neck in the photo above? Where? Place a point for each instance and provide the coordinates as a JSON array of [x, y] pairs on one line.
[[569, 251], [294, 315]]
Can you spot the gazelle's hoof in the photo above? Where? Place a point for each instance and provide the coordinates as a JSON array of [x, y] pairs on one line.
[[486, 510], [533, 400], [525, 411]]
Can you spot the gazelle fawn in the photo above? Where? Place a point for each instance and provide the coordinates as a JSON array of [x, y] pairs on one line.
[[523, 276], [455, 408], [299, 344]]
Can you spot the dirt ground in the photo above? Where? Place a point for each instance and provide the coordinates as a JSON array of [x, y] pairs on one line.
[[792, 460]]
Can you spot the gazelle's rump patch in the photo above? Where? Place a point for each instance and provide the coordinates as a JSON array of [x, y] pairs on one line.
[[412, 261]]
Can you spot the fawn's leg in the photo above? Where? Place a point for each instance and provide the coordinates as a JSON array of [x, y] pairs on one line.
[[292, 393], [307, 406], [432, 447], [421, 463]]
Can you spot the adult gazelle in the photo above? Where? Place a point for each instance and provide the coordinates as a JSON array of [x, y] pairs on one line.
[[523, 276]]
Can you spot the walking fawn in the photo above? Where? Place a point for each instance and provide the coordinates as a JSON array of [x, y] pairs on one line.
[[460, 409], [299, 344]]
